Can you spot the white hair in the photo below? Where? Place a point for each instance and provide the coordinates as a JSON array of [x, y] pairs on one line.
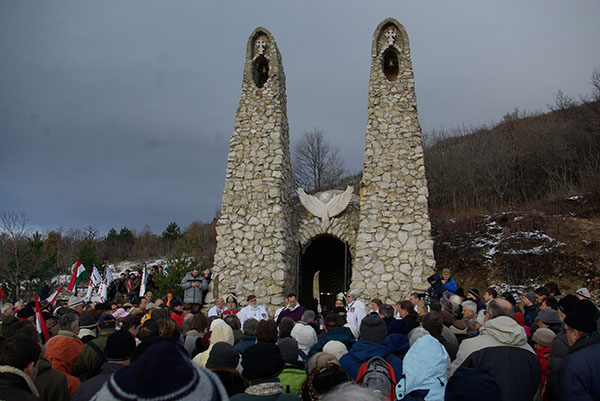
[[352, 392], [470, 305]]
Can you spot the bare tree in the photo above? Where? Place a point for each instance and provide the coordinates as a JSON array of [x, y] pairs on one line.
[[14, 226], [596, 83], [316, 165]]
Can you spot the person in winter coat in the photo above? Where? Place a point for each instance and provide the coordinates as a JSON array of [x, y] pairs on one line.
[[63, 350], [262, 363], [293, 374], [334, 330], [50, 383], [436, 289], [448, 282], [542, 339], [219, 331], [177, 312], [119, 349], [372, 333], [529, 310], [473, 295], [88, 364], [193, 284], [223, 362], [19, 356], [560, 345], [424, 368], [501, 348], [407, 321], [579, 373]]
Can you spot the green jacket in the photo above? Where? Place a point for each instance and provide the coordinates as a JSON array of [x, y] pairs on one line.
[[86, 363], [292, 379], [51, 384]]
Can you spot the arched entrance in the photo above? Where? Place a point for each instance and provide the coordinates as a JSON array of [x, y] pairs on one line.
[[330, 256]]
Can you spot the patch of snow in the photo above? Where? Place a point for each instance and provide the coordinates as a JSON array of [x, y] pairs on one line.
[[574, 198]]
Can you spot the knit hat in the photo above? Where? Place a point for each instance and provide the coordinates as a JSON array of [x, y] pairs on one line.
[[223, 356], [474, 292], [262, 361], [119, 346], [163, 373], [531, 297], [584, 292], [568, 303], [473, 384], [548, 316], [289, 349], [104, 318], [584, 317], [176, 302], [336, 348], [543, 337], [120, 313], [87, 322], [74, 302], [373, 328]]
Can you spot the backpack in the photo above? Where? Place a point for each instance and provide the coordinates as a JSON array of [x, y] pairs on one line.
[[378, 375]]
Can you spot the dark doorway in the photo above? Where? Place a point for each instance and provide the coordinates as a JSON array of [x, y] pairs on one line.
[[330, 256]]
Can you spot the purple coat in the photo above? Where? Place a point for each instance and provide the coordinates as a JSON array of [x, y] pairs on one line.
[[295, 315]]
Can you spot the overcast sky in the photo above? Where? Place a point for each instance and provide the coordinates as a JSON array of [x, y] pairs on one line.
[[119, 113]]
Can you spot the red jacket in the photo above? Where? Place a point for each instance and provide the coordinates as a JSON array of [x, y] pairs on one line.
[[544, 355], [178, 317]]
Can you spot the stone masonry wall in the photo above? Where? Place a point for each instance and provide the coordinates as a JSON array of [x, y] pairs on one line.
[[254, 242], [394, 247]]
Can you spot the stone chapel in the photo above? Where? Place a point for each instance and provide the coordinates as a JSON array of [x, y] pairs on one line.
[[379, 242]]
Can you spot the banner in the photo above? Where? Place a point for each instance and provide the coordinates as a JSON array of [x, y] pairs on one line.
[[40, 323], [143, 282]]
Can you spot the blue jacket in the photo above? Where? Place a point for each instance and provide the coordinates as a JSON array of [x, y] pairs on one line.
[[579, 372], [424, 367], [362, 351], [397, 344], [451, 285], [529, 313]]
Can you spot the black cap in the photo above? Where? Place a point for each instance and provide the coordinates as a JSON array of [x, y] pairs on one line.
[[119, 346]]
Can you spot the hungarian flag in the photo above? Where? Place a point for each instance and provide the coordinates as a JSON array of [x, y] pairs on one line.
[[79, 273], [52, 298], [40, 323], [88, 294]]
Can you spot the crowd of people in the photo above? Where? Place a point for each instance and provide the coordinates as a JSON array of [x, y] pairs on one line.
[[442, 344]]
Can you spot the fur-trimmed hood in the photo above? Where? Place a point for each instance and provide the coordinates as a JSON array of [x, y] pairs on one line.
[[21, 374]]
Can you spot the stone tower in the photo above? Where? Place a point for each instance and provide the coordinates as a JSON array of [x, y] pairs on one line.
[[394, 250], [254, 242]]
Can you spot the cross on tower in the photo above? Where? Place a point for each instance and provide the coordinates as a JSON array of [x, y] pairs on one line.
[[261, 45], [390, 36]]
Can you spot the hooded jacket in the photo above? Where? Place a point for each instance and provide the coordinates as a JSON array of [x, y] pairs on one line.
[[424, 368], [51, 384], [362, 351], [500, 331], [502, 349], [62, 351], [341, 334], [220, 332]]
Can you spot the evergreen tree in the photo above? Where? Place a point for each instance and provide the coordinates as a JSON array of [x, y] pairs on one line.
[[172, 232]]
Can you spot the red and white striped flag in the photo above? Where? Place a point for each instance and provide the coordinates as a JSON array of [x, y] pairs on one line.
[[52, 298], [103, 291], [40, 323]]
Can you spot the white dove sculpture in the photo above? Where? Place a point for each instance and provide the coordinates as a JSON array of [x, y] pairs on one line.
[[326, 205]]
